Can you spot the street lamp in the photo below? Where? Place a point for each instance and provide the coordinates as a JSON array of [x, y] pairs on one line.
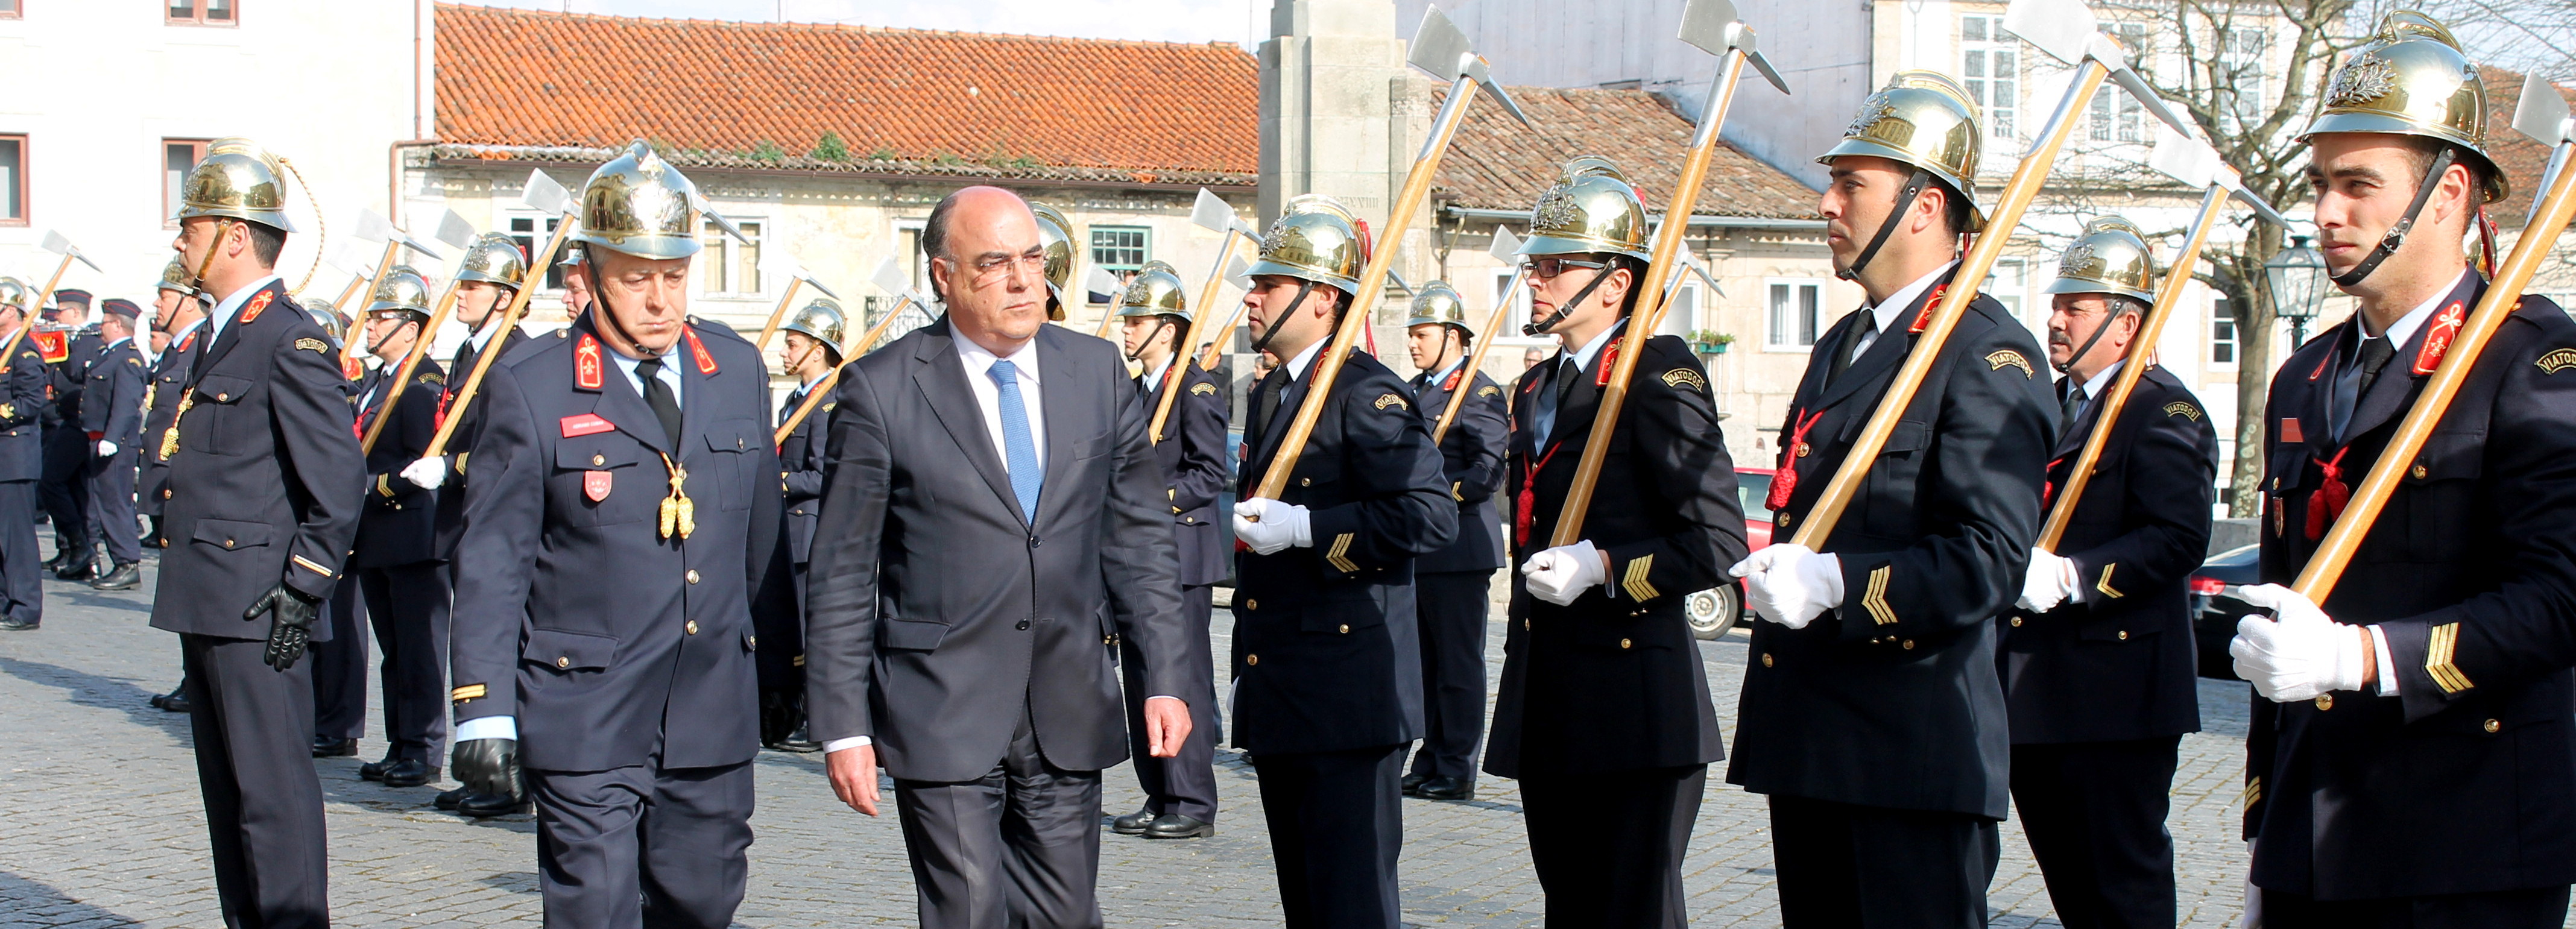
[[2298, 278]]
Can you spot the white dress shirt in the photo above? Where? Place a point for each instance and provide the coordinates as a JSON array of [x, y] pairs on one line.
[[669, 376], [222, 314], [988, 395], [1885, 310], [2398, 332]]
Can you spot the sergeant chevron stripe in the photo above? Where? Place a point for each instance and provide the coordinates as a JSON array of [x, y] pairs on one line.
[[2438, 650], [1634, 581], [2104, 585], [1875, 601], [1339, 556]]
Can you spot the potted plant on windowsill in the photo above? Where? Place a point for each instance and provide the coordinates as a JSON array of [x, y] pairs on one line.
[[1706, 342]]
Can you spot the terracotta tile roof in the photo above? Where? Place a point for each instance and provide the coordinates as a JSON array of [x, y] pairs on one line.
[[1496, 163], [510, 82], [2522, 159]]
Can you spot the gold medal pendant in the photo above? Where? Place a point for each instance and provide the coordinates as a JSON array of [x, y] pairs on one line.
[[170, 436], [679, 513]]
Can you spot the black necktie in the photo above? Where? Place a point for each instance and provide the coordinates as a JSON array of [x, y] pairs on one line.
[[1843, 354], [2349, 388], [2070, 406], [2374, 356], [1272, 386], [666, 405], [464, 361]]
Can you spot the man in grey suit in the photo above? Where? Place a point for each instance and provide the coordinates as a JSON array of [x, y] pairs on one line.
[[994, 525]]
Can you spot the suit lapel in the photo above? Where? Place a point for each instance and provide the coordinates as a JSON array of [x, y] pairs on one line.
[[941, 378], [1061, 421], [2085, 422], [1870, 370]]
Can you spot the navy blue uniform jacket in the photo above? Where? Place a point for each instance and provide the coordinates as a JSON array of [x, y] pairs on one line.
[[1471, 457], [400, 522], [1192, 455]]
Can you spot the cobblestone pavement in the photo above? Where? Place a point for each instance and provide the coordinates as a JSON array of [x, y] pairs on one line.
[[100, 824]]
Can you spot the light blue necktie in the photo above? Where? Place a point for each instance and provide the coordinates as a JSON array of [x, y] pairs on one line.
[[1018, 450]]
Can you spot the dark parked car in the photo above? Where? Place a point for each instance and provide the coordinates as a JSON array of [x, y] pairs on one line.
[[2215, 609]]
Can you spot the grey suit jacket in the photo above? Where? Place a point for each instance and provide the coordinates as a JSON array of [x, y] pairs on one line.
[[936, 611]]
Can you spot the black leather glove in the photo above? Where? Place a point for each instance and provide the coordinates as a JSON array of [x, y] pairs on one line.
[[290, 626], [489, 766]]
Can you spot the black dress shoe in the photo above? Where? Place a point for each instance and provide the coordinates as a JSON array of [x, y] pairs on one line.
[[177, 702], [77, 569], [13, 625], [1177, 826], [123, 577], [410, 772], [323, 746], [1412, 781], [375, 770], [449, 798], [1133, 823], [800, 741], [156, 700], [480, 805], [1446, 788]]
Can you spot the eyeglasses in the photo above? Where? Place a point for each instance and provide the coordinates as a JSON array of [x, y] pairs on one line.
[[994, 269], [1543, 269]]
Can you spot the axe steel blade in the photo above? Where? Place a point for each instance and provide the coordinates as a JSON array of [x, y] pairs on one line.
[[544, 195], [1238, 273], [1101, 282], [817, 284], [455, 231], [1483, 73], [1506, 247], [1763, 65], [1246, 229], [415, 244], [2236, 188], [1695, 268], [2184, 158], [2129, 80], [1211, 213], [2541, 113], [373, 227], [708, 210], [889, 277], [1709, 25], [2062, 28], [57, 243], [84, 259], [1439, 47]]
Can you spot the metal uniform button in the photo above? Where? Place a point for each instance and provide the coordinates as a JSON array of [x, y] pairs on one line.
[[1908, 644], [2325, 701], [1251, 659], [228, 543], [565, 662], [692, 626], [2493, 726], [1305, 482], [693, 575], [598, 460], [165, 493], [2124, 635], [2016, 621], [1766, 659], [1623, 643], [1024, 624], [2417, 471], [751, 642], [1346, 628], [1802, 450], [1252, 604], [1785, 519]]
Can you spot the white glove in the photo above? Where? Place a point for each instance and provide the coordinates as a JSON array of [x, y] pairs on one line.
[[2050, 581], [1270, 527], [2301, 654], [2253, 918], [106, 449], [426, 473], [1791, 584], [1560, 574]]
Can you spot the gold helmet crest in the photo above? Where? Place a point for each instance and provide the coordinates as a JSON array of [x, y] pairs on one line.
[[238, 180], [494, 258], [1056, 233], [1592, 208], [403, 290], [1437, 302], [2411, 79], [1156, 291], [2111, 256], [1314, 239], [1926, 120], [822, 321], [639, 204]]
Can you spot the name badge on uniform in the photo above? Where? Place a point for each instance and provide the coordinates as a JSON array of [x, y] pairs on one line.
[[595, 484], [585, 424]]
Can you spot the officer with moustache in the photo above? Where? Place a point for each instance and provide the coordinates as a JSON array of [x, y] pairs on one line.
[[112, 415], [1878, 651], [178, 314], [22, 397], [1180, 791], [1327, 655], [810, 348], [1604, 713], [2098, 659], [2411, 762], [622, 517], [1450, 584], [263, 501], [396, 562]]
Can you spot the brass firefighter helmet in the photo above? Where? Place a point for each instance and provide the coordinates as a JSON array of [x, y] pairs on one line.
[[1314, 239], [495, 259], [13, 292], [1437, 302], [821, 320], [641, 205], [2411, 79], [1156, 291], [324, 315], [176, 276], [239, 180], [2109, 257], [1592, 208], [1926, 120], [403, 289], [1057, 233]]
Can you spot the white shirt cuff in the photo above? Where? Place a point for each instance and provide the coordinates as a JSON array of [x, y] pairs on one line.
[[2074, 582], [488, 727], [856, 741], [2387, 665], [1162, 697]]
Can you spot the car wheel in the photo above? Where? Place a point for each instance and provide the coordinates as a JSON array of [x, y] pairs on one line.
[[1713, 611]]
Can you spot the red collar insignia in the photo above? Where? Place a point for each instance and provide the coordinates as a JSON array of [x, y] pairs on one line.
[[1923, 317], [257, 304], [1451, 384], [588, 370], [2437, 340], [1609, 359], [706, 362], [352, 369], [187, 340], [2321, 365]]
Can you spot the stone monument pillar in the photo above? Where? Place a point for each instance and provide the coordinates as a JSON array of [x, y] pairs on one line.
[[1342, 115]]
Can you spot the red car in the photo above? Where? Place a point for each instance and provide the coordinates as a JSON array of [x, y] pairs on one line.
[[1714, 611]]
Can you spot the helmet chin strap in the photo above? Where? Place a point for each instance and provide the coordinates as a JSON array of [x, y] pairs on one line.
[[1566, 309], [2114, 317], [1263, 344], [1161, 323], [2396, 237], [1904, 199], [602, 316]]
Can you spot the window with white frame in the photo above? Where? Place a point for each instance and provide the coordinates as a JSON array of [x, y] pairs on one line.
[[1123, 249], [1991, 63], [2005, 283], [1519, 297], [2115, 116], [728, 266], [2222, 335], [2240, 59], [532, 233], [1794, 307], [1681, 313]]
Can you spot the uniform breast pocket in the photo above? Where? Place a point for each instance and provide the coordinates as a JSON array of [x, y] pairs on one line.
[[735, 443], [2440, 492], [1343, 612], [216, 423], [568, 653], [597, 482], [1889, 493], [231, 535]]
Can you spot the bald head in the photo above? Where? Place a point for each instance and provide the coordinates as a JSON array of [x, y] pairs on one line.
[[988, 264]]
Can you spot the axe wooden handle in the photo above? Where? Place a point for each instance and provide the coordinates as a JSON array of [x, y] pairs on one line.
[[355, 281], [509, 320], [2016, 198], [411, 362], [2538, 242], [823, 387], [48, 293], [27, 318], [1475, 358], [384, 265], [1649, 313], [1183, 344], [776, 316], [1217, 337], [2141, 355]]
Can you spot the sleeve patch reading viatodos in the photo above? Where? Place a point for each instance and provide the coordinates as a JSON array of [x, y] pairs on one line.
[[316, 345], [2557, 360], [2008, 357], [1684, 377], [2183, 409], [1489, 390], [1391, 400], [1203, 389]]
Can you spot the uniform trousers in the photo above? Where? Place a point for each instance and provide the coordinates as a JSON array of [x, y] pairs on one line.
[[111, 506], [1336, 828], [1184, 784], [22, 567], [1841, 865], [2095, 815], [340, 665], [1017, 847], [1608, 846], [643, 845], [1453, 608], [407, 606], [252, 725], [2534, 908], [64, 494]]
